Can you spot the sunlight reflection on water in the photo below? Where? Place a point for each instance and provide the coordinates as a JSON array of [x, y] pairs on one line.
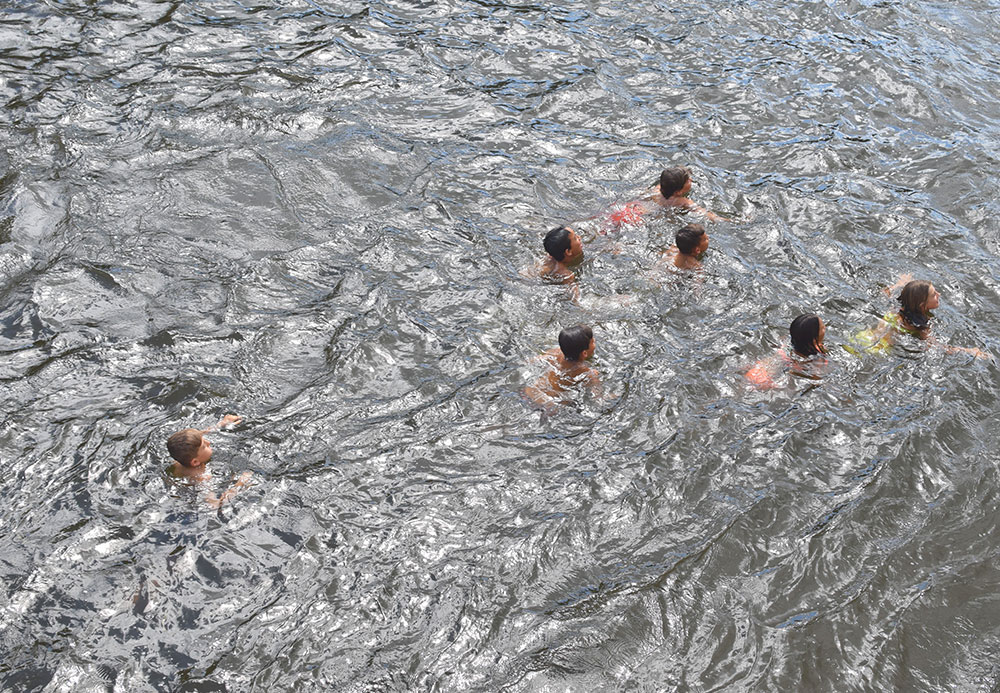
[[317, 217]]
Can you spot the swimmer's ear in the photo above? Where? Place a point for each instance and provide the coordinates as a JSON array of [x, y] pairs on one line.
[[194, 463]]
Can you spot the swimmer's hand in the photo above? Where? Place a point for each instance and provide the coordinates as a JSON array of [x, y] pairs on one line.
[[903, 280], [978, 353], [229, 420], [217, 502]]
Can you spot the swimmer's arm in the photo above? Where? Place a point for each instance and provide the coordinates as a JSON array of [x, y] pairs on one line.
[[903, 280], [596, 387], [574, 291], [566, 276], [556, 272], [594, 384], [538, 397], [666, 258], [218, 501], [978, 353], [711, 216], [551, 356], [224, 422], [882, 331], [543, 268], [531, 272]]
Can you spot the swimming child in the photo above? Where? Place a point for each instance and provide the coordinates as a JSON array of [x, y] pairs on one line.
[[567, 368], [564, 249], [691, 243], [916, 301], [807, 333], [670, 190], [191, 451], [808, 354]]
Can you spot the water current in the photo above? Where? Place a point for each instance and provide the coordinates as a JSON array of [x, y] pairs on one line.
[[316, 215]]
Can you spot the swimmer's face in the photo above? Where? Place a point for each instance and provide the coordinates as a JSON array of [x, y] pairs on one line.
[[933, 299], [591, 348], [204, 453], [702, 244], [687, 187], [818, 343], [575, 251]]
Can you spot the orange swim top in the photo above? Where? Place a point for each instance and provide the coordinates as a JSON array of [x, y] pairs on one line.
[[761, 375]]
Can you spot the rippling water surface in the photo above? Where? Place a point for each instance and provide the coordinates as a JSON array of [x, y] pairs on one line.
[[316, 215]]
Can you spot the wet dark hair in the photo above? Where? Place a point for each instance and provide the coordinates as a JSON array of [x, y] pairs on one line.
[[183, 445], [804, 330], [912, 299], [689, 237], [574, 340], [557, 242], [673, 179]]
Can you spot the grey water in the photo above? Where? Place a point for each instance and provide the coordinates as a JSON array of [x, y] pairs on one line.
[[316, 215]]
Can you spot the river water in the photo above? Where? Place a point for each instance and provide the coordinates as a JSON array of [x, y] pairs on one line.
[[316, 215]]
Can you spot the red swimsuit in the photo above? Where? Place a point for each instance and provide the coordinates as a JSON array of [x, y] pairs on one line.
[[630, 213]]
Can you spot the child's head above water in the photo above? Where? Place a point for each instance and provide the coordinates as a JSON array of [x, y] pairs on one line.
[[189, 447], [807, 332], [577, 343], [691, 238], [917, 299], [563, 244], [674, 180]]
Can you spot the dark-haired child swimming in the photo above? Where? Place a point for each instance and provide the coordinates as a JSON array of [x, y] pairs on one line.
[[564, 249], [690, 244], [567, 369], [916, 301], [670, 191], [806, 334]]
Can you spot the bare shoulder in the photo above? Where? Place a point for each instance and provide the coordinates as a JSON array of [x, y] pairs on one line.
[[558, 274], [677, 201], [532, 271], [686, 262], [553, 356]]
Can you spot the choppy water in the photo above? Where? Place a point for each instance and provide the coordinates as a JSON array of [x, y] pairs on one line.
[[315, 215]]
